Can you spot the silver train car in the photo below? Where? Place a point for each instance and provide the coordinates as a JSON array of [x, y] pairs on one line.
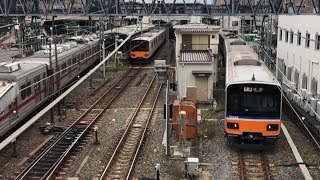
[[253, 97], [25, 83]]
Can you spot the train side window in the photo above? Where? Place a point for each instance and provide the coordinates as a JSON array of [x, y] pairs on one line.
[[25, 90]]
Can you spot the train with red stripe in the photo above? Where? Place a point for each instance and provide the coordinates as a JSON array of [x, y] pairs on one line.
[[28, 82], [253, 97], [145, 45]]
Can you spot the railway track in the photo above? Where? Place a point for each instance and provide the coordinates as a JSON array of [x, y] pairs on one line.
[[252, 166], [123, 158], [48, 162]]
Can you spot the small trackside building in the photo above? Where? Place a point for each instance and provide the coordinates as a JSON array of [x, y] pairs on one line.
[[196, 60]]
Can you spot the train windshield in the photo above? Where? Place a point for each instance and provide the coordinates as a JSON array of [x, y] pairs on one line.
[[254, 101], [139, 45]]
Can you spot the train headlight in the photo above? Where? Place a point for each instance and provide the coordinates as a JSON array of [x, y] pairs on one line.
[[232, 125], [272, 127]]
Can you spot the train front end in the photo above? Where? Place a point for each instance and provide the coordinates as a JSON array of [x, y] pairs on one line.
[[139, 51], [253, 114]]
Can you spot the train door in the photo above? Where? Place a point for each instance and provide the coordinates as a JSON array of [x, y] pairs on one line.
[[69, 69], [37, 89], [44, 85], [14, 108], [202, 88]]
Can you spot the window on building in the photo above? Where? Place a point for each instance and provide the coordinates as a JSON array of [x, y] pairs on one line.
[[317, 42], [308, 39], [280, 35], [291, 37], [234, 23], [299, 38], [287, 35]]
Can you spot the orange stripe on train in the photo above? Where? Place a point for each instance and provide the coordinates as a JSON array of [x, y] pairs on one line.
[[251, 125]]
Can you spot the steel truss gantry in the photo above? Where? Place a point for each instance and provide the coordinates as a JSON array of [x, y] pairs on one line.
[[156, 7]]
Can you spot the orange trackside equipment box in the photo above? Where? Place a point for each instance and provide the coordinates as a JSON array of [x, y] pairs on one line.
[[190, 119]]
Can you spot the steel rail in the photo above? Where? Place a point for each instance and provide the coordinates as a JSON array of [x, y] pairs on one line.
[[265, 164], [121, 142], [59, 162], [144, 132], [241, 164], [33, 164]]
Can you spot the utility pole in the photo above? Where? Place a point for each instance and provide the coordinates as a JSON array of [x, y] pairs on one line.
[[162, 75], [57, 73], [168, 43], [51, 86], [102, 46], [269, 40]]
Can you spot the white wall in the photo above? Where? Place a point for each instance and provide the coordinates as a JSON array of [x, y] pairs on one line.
[[304, 59], [184, 74], [186, 78], [226, 23]]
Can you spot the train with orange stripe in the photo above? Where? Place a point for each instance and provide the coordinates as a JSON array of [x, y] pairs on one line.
[[253, 97], [145, 45], [28, 82]]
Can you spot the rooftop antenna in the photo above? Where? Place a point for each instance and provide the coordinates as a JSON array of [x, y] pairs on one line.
[[253, 78]]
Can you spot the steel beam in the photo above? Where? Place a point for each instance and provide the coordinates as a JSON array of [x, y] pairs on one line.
[[156, 7]]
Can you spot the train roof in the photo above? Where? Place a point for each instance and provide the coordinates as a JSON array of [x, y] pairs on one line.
[[148, 36], [37, 61], [243, 64], [127, 30], [25, 69], [43, 55]]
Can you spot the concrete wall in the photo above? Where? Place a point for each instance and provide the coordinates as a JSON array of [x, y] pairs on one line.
[[304, 59], [226, 23], [186, 78]]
